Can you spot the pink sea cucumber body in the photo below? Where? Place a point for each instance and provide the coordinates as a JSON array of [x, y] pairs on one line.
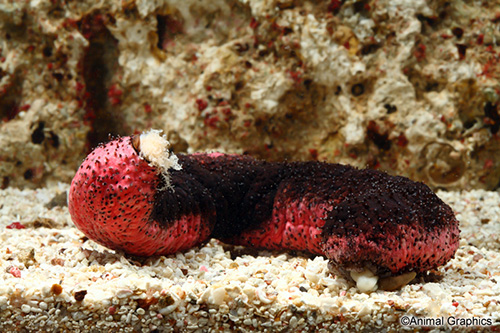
[[295, 224], [111, 200], [357, 218]]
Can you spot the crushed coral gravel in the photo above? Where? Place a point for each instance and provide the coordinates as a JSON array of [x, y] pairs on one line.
[[54, 278]]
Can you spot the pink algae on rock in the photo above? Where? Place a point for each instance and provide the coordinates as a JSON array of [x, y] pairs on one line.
[[16, 225]]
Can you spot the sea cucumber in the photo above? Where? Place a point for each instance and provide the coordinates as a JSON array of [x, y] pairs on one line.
[[132, 194]]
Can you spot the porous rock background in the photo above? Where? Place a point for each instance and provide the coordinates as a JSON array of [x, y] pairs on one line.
[[406, 86]]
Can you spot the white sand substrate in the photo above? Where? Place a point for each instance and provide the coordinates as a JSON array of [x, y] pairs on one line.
[[55, 279]]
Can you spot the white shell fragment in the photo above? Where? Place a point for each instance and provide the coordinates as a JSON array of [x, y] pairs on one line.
[[365, 280]]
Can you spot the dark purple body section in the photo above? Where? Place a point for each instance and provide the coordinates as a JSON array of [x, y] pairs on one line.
[[307, 205]]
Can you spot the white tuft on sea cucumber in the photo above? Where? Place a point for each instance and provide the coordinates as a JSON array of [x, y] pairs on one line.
[[153, 147]]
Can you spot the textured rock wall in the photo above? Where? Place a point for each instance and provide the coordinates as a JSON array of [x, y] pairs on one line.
[[410, 87]]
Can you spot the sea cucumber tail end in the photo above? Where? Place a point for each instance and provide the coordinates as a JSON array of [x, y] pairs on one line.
[[391, 229]]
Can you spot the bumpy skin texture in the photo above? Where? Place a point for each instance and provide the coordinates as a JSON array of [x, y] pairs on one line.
[[357, 218], [112, 199]]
